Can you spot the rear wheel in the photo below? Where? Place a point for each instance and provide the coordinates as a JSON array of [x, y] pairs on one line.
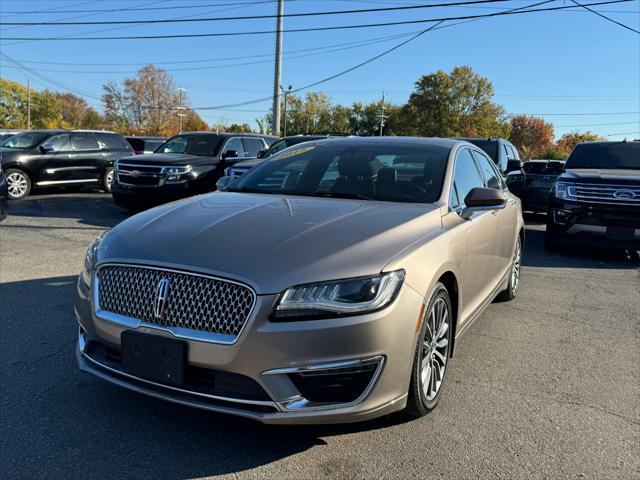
[[432, 354], [514, 276], [107, 180], [18, 183]]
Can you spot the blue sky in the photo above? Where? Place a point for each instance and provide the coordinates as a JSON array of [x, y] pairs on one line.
[[572, 63]]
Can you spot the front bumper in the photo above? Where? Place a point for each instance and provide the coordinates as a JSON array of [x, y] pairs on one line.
[[276, 357], [613, 226], [133, 197]]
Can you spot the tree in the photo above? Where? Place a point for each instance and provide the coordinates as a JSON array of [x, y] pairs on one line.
[[76, 112], [239, 128], [451, 105], [192, 122], [553, 153], [146, 104], [45, 108], [365, 119], [531, 135], [569, 140]]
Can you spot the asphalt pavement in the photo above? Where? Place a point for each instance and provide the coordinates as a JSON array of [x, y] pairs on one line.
[[546, 386]]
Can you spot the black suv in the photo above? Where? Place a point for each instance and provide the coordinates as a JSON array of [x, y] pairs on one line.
[[58, 158], [187, 164], [533, 183], [241, 168], [502, 152], [596, 201], [142, 145]]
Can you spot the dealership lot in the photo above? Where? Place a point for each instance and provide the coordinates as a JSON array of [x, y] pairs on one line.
[[544, 386]]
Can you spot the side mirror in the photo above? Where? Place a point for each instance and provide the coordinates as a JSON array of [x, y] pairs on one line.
[[262, 154], [224, 182], [46, 148], [483, 199], [230, 154], [513, 165]]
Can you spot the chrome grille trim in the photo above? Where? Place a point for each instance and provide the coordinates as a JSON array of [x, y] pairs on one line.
[[603, 193], [219, 321]]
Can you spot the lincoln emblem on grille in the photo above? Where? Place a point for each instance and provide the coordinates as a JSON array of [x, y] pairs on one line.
[[162, 293]]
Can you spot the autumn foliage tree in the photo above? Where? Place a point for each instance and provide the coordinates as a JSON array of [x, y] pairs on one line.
[[569, 140], [531, 135]]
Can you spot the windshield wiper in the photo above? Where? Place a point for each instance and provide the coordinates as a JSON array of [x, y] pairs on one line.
[[355, 196], [249, 190]]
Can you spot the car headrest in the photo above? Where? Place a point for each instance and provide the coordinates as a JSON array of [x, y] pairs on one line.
[[431, 170], [387, 176], [354, 167]]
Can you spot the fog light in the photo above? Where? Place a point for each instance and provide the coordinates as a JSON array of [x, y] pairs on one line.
[[561, 216]]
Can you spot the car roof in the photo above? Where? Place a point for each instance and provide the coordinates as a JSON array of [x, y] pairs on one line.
[[225, 134], [146, 137], [425, 141]]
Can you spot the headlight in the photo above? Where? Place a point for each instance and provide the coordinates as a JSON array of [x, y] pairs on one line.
[[90, 259], [342, 297], [563, 190], [174, 173]]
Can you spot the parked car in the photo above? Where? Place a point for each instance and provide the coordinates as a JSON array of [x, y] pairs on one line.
[[337, 295], [187, 164], [533, 183], [4, 195], [596, 201], [60, 158], [143, 145], [501, 151], [4, 134], [241, 168]]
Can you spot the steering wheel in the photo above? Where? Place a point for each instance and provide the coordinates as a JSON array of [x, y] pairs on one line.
[[405, 190]]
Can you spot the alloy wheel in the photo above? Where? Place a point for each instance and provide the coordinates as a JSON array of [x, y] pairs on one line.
[[109, 179], [435, 349], [17, 184]]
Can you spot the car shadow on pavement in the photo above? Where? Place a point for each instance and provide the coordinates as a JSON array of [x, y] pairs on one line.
[[61, 423], [94, 209], [535, 255]]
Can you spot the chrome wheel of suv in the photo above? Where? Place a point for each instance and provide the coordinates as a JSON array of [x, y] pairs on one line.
[[107, 180], [18, 184]]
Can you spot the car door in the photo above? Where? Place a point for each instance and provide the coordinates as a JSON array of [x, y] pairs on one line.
[[56, 158], [480, 266], [507, 217], [252, 146], [86, 155]]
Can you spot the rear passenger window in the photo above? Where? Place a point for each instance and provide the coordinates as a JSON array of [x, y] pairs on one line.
[[252, 146], [465, 177], [84, 141], [112, 142], [489, 173]]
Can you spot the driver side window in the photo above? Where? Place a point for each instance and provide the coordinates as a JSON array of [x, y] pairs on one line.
[[59, 143], [235, 143], [465, 178]]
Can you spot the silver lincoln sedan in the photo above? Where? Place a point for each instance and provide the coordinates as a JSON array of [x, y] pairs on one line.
[[329, 284]]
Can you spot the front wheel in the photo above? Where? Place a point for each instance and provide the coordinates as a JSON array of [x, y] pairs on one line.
[[432, 354], [18, 183], [107, 180], [514, 275]]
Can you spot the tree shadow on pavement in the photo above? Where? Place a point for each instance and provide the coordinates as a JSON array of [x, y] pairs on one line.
[[60, 423]]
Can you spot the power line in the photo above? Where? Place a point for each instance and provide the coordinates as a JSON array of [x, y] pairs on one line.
[[606, 18], [577, 114], [312, 29], [256, 17]]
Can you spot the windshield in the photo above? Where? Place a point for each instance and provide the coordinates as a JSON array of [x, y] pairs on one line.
[[204, 145], [370, 171], [490, 147], [609, 155], [25, 139]]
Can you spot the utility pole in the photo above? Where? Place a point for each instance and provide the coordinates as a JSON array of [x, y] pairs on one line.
[[180, 109], [28, 104], [275, 121], [284, 113], [382, 116]]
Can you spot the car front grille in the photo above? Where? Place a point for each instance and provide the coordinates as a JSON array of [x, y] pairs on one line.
[[191, 301], [138, 174], [607, 194]]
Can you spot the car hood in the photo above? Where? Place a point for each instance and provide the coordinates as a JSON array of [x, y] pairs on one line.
[[271, 242], [620, 177], [168, 159], [249, 163]]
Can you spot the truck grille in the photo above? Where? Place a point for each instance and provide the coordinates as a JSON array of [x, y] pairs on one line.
[[191, 301], [607, 194], [138, 174]]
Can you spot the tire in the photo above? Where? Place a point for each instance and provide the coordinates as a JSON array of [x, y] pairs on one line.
[[107, 180], [18, 183], [514, 277], [427, 383]]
